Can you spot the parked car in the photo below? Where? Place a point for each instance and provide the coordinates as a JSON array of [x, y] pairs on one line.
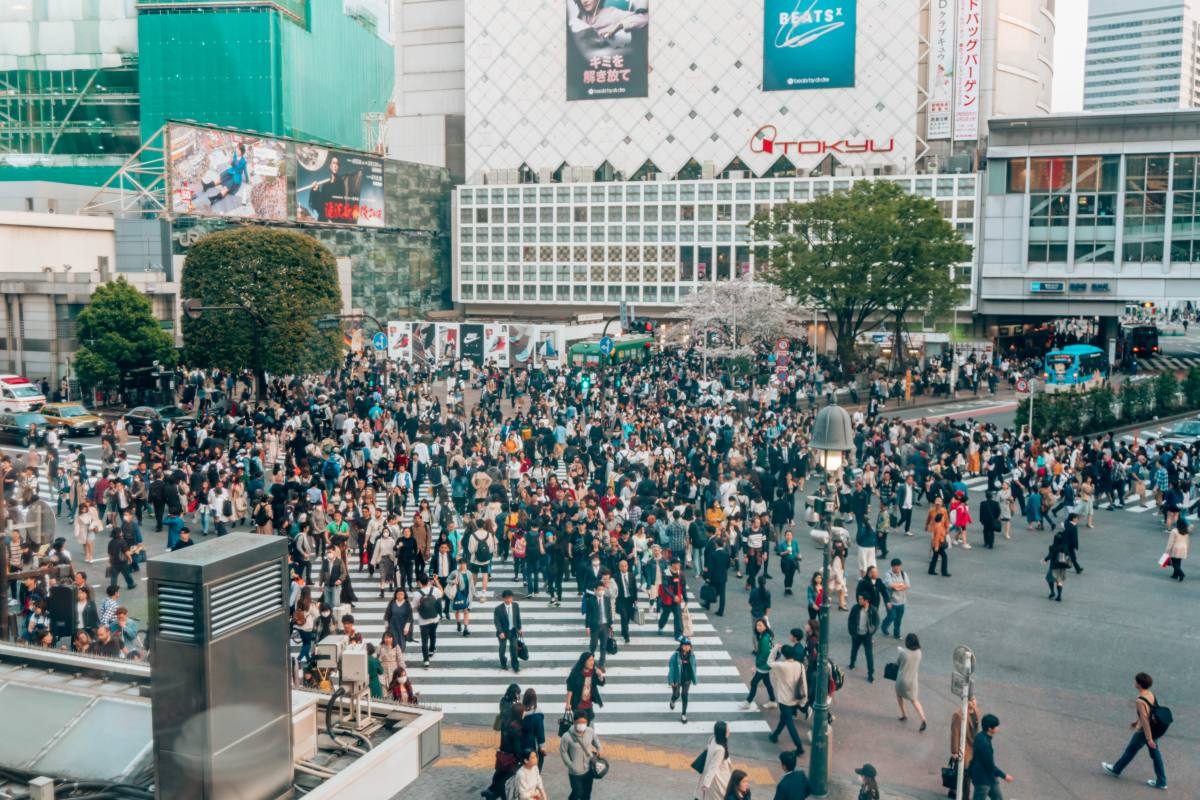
[[26, 427], [1184, 433], [138, 419], [74, 417]]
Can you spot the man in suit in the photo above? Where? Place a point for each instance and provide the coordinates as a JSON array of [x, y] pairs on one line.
[[627, 596], [1071, 540], [862, 623], [507, 618], [716, 564], [989, 518], [794, 783], [598, 609], [906, 498]]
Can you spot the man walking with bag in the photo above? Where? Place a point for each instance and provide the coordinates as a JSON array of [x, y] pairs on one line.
[[578, 747], [507, 619], [1151, 723]]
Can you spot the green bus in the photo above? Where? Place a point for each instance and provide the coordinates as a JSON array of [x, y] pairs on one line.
[[630, 348]]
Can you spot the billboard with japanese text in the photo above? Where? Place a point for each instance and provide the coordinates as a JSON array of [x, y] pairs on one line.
[[941, 68], [808, 44], [967, 70], [607, 48], [222, 173], [339, 187]]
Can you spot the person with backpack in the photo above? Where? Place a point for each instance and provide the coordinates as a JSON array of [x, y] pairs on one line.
[[262, 514], [429, 613], [1151, 724], [481, 544]]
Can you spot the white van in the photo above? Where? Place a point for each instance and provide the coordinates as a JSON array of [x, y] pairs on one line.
[[18, 393]]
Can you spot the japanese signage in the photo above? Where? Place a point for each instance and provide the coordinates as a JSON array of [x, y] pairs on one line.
[[339, 187], [226, 174], [766, 140], [968, 70], [808, 44], [941, 68], [607, 48]]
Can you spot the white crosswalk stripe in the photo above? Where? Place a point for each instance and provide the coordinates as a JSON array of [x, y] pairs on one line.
[[978, 484], [465, 680]]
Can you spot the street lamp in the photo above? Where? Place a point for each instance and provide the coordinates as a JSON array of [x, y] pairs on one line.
[[832, 436], [960, 684]]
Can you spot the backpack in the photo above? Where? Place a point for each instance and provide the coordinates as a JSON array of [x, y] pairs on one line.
[[227, 508], [483, 553], [1160, 719], [256, 470], [427, 606], [836, 675], [261, 517], [330, 469], [518, 546]]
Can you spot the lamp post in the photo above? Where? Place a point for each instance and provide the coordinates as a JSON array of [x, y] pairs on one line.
[[832, 436]]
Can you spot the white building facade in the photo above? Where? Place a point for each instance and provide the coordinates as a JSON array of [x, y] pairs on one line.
[[1141, 53]]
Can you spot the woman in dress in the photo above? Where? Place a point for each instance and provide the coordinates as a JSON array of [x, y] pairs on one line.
[[87, 525], [909, 664]]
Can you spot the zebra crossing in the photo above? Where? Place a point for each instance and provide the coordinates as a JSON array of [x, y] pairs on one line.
[[976, 486], [1163, 362], [466, 682]]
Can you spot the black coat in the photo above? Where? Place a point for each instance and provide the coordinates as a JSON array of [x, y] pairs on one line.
[[856, 613], [575, 688], [716, 564], [500, 619], [626, 600], [793, 786], [989, 514], [399, 618], [592, 610]]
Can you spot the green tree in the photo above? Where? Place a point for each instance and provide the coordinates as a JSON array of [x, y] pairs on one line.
[[119, 332], [1166, 391], [284, 279], [1191, 387], [1135, 401], [861, 255], [1100, 408]]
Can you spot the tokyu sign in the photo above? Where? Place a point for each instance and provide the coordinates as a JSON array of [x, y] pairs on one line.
[[766, 140]]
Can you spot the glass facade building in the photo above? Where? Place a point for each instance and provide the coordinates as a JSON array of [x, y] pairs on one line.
[[648, 242], [1140, 54]]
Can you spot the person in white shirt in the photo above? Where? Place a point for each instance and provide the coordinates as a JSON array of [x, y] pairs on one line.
[[221, 507]]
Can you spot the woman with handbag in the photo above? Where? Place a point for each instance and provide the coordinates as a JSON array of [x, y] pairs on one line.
[[509, 753], [533, 727], [714, 765], [583, 687], [908, 663], [1057, 560]]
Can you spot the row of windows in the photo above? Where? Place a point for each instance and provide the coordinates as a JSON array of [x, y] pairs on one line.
[[1142, 54], [1176, 42], [1134, 23], [1138, 82], [1134, 35], [1133, 91], [1182, 251], [690, 191], [1148, 66]]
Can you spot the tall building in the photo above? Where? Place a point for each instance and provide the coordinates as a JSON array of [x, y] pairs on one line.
[[1141, 53]]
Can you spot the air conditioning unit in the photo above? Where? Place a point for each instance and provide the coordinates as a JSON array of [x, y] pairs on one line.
[[354, 664], [708, 170]]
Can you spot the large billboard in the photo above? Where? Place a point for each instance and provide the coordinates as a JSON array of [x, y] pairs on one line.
[[941, 68], [399, 345], [967, 71], [225, 174], [338, 186], [607, 49], [808, 44], [447, 342], [471, 346]]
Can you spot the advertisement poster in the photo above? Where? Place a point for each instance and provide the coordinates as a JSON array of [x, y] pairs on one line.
[[607, 48], [226, 174], [495, 343], [338, 187], [548, 349], [941, 68], [520, 345], [399, 341], [447, 342], [808, 44], [472, 342], [424, 344], [967, 71]]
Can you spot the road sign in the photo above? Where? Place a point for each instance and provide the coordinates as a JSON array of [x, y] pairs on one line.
[[1022, 386], [964, 661], [770, 358], [379, 340], [782, 375], [606, 345], [782, 345], [782, 359]]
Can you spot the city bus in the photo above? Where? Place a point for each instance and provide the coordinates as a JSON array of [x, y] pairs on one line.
[[1142, 340], [1075, 367], [629, 348]]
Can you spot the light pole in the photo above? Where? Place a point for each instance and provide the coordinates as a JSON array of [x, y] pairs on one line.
[[960, 684], [832, 436]]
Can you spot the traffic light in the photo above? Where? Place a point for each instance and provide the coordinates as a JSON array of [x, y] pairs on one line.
[[645, 326]]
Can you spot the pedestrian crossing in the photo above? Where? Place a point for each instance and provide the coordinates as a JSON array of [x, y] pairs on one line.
[[976, 486], [1162, 363], [466, 682]]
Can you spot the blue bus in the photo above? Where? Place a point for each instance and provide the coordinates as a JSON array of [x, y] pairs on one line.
[[1076, 366]]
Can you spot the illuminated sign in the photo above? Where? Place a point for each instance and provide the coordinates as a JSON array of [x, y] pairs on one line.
[[1047, 287], [766, 140]]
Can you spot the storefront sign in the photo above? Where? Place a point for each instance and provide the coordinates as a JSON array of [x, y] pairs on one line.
[[941, 68], [968, 70], [766, 140], [1047, 287]]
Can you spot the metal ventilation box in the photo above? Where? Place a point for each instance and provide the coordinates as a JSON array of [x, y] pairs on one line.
[[220, 689]]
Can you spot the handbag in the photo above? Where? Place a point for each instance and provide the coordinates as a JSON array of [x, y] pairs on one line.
[[641, 615], [700, 761], [891, 671], [565, 722], [1164, 561], [950, 776], [599, 767], [522, 650], [687, 622], [610, 644], [505, 762]]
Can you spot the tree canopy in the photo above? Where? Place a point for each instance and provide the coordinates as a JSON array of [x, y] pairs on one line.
[[118, 332], [287, 279], [862, 255]]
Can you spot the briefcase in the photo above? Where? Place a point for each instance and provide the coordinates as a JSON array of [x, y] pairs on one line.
[[522, 650]]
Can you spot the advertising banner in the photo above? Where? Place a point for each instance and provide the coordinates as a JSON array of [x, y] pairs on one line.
[[338, 187], [472, 342], [607, 48], [399, 341], [967, 71], [225, 174], [549, 347], [808, 44], [495, 342], [941, 68], [424, 344], [447, 342], [520, 345]]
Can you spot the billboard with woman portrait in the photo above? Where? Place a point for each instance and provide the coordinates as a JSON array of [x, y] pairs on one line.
[[221, 173], [607, 49]]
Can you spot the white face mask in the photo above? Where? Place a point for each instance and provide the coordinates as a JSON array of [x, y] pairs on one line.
[[580, 727]]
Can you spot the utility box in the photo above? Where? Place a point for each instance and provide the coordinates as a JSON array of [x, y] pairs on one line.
[[220, 689]]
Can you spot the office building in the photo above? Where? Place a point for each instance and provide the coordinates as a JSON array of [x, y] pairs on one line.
[[1141, 53]]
